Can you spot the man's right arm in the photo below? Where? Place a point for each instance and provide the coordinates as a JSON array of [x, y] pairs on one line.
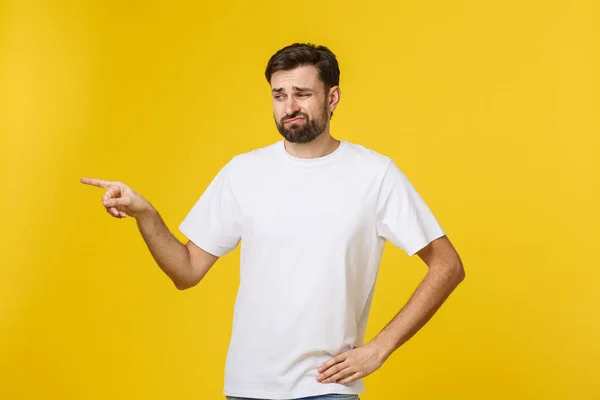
[[185, 265]]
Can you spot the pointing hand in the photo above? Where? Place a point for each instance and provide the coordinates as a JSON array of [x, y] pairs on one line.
[[119, 199]]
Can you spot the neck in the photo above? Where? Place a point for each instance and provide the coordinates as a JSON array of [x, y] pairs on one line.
[[323, 145]]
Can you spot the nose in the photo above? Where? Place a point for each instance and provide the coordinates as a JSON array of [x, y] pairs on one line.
[[291, 106]]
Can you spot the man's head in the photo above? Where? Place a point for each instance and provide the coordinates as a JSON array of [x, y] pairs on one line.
[[305, 89]]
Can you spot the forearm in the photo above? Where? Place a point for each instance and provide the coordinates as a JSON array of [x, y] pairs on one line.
[[169, 253], [435, 288]]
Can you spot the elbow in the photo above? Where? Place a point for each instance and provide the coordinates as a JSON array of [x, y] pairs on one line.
[[184, 284], [186, 278], [459, 273]]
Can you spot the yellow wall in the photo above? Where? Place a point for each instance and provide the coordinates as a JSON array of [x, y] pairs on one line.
[[491, 109]]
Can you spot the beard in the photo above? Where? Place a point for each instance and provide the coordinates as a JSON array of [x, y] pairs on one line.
[[304, 131]]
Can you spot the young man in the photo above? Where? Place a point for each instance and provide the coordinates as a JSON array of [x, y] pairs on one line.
[[313, 214]]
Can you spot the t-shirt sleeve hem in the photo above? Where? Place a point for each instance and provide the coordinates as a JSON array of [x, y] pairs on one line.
[[422, 244], [202, 242]]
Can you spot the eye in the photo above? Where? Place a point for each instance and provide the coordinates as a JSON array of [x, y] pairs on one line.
[[279, 97], [303, 95]]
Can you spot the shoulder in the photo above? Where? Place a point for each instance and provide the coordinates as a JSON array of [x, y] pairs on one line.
[[257, 155], [367, 158], [242, 165]]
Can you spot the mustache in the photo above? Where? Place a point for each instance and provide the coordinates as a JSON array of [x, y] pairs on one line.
[[295, 115]]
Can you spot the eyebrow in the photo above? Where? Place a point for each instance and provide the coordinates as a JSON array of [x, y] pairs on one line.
[[296, 88]]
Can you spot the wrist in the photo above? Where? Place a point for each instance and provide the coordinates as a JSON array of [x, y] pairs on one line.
[[384, 347], [147, 212]]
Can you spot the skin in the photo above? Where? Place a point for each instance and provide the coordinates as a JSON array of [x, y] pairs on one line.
[[298, 92], [185, 264], [445, 272]]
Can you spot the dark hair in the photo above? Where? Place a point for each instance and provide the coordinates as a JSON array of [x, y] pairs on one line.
[[299, 54]]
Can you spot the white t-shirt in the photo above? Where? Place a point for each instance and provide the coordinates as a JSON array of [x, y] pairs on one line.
[[312, 233]]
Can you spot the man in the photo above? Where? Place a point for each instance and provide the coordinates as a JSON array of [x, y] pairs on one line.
[[313, 214]]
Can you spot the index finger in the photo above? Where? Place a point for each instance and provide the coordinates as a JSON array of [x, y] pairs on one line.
[[332, 361], [96, 182]]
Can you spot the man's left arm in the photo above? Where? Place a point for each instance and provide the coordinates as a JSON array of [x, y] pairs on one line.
[[445, 273]]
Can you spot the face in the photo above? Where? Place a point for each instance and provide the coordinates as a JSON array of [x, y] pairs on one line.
[[300, 104]]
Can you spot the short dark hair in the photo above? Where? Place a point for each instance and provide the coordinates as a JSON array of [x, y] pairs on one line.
[[300, 54]]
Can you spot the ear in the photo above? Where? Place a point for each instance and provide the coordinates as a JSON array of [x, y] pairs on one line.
[[333, 98]]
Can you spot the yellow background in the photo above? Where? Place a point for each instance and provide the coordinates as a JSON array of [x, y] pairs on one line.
[[492, 108]]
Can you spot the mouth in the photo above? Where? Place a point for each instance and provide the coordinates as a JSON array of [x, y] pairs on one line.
[[297, 119]]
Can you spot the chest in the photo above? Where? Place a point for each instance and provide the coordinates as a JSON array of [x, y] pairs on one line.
[[325, 209]]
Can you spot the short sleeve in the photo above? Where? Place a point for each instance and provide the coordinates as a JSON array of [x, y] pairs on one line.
[[213, 223], [403, 218]]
